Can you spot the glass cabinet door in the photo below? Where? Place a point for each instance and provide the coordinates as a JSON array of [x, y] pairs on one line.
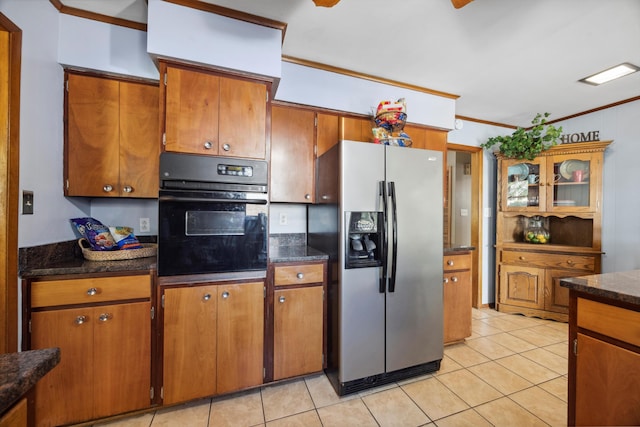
[[523, 185], [569, 186]]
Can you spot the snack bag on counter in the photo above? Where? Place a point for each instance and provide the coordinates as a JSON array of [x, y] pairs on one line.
[[124, 237], [96, 233]]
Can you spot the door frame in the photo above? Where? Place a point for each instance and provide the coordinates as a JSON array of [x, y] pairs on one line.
[[11, 43], [476, 218]]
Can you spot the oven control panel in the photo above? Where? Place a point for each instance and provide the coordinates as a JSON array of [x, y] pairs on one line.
[[235, 170]]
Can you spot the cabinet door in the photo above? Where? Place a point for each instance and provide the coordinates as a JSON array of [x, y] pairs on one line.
[[556, 297], [355, 129], [121, 358], [292, 159], [522, 286], [607, 384], [298, 331], [575, 184], [191, 111], [65, 395], [327, 132], [92, 142], [243, 115], [517, 192], [427, 139], [240, 336], [457, 305], [139, 140], [189, 353]]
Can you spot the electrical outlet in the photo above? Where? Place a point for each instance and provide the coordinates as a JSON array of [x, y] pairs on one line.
[[27, 202], [283, 218], [145, 225]]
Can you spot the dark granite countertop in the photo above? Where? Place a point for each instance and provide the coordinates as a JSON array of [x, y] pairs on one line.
[[295, 253], [622, 287], [66, 258], [19, 372], [451, 249]]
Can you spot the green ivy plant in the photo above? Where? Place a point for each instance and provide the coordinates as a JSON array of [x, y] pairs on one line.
[[527, 143]]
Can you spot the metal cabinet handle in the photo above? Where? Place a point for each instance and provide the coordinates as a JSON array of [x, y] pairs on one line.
[[92, 291], [446, 280], [325, 197], [454, 279], [208, 145], [307, 196], [300, 276], [225, 295], [80, 320], [281, 300], [226, 147], [521, 258], [128, 189], [107, 188], [450, 262], [105, 316], [206, 297], [570, 262]]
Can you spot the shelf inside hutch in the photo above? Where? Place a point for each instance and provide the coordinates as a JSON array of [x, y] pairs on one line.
[[567, 231]]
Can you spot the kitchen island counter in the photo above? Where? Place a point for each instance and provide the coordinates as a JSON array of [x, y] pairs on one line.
[[19, 372], [622, 287]]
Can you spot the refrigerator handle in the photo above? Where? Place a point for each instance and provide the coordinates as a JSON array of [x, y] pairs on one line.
[[392, 194], [383, 250]]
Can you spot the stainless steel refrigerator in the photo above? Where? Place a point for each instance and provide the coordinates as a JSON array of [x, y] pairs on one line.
[[380, 218]]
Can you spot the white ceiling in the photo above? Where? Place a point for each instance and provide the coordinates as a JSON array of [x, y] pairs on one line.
[[506, 59]]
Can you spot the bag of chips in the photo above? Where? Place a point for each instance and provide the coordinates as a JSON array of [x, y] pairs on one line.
[[96, 233], [124, 237]]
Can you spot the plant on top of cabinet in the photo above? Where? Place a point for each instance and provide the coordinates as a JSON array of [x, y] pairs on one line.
[[527, 143]]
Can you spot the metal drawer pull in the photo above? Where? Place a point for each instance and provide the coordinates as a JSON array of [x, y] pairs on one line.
[[570, 262], [128, 189], [105, 316], [521, 258], [206, 297], [300, 275], [92, 291], [307, 196], [80, 320], [446, 280], [208, 145], [225, 295], [226, 147], [281, 299], [107, 188], [454, 279], [450, 262]]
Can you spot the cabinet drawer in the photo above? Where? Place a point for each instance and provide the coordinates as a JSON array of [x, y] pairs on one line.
[[615, 322], [298, 274], [578, 262], [458, 277], [456, 262], [90, 290]]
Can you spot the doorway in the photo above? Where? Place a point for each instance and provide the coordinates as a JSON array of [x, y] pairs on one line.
[[463, 210]]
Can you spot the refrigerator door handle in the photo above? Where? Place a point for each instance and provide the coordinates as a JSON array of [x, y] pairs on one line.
[[394, 231], [383, 249]]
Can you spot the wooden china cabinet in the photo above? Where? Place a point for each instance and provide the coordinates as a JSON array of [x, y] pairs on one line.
[[559, 191]]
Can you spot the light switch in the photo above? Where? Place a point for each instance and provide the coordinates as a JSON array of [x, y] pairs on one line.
[[464, 212], [27, 202]]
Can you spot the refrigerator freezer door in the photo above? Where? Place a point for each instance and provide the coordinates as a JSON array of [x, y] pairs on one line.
[[414, 309]]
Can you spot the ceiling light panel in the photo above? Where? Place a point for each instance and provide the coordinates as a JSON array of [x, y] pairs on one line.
[[612, 73]]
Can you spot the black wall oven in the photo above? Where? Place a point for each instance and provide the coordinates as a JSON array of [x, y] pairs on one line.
[[212, 215]]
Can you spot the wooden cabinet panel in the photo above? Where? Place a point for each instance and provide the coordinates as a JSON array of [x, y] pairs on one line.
[[139, 139], [355, 129], [327, 132], [292, 155], [556, 297], [93, 139], [552, 260], [16, 416], [189, 333], [427, 139], [522, 286], [607, 389], [298, 331], [457, 305], [111, 144], [191, 111], [616, 322], [240, 333], [456, 262], [205, 113], [298, 274]]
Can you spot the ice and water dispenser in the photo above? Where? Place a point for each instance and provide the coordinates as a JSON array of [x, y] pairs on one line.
[[364, 243]]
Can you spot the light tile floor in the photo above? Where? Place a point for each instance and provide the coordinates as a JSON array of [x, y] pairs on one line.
[[511, 372]]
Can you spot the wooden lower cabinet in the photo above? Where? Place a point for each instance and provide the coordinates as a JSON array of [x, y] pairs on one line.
[[16, 416], [105, 350], [213, 339], [298, 323], [604, 356], [457, 296]]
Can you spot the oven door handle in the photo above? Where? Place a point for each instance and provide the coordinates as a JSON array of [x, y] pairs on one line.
[[204, 199]]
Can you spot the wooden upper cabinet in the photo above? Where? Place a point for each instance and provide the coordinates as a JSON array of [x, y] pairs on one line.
[[327, 132], [355, 129], [292, 155], [111, 143], [206, 113], [427, 139]]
